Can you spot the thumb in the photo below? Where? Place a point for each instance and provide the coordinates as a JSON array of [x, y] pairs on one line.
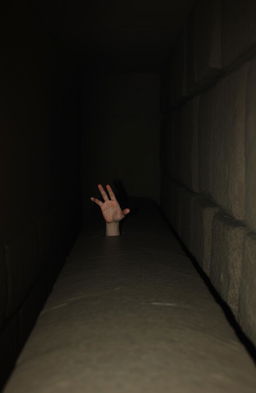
[[126, 211]]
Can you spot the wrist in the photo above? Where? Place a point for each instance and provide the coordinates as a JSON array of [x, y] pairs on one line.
[[112, 229]]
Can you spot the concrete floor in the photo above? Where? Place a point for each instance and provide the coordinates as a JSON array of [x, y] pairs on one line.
[[131, 314]]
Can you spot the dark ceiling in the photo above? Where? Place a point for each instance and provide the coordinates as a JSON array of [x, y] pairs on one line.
[[126, 32], [133, 34]]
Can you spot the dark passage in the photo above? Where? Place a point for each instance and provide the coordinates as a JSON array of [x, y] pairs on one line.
[[158, 100], [131, 314]]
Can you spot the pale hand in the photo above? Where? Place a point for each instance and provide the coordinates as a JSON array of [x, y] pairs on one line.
[[110, 208]]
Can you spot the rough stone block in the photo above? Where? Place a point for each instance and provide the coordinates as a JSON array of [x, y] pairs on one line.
[[205, 141], [239, 28], [203, 212], [247, 299], [250, 148], [178, 88], [184, 215], [185, 210], [227, 253], [222, 146], [165, 141], [188, 162], [228, 142], [190, 66], [176, 207], [173, 204], [207, 39], [169, 200], [180, 205], [176, 154], [171, 144]]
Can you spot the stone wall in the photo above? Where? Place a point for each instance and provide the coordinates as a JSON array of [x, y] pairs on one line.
[[209, 186], [38, 164]]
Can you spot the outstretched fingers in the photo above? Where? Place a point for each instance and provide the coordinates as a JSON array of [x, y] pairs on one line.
[[97, 201], [111, 193], [107, 197], [103, 193]]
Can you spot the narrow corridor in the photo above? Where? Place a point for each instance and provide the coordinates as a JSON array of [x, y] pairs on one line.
[[131, 314], [157, 99]]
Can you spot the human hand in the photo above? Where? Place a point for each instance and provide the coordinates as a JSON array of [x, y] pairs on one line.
[[110, 208]]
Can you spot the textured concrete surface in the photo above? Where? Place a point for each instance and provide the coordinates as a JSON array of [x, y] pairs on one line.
[[187, 201], [207, 39], [169, 200], [226, 261], [205, 132], [221, 142], [130, 314], [250, 147], [238, 29], [228, 146], [247, 300], [189, 166], [174, 144], [220, 68], [168, 145], [180, 204], [40, 171], [201, 231], [178, 88]]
